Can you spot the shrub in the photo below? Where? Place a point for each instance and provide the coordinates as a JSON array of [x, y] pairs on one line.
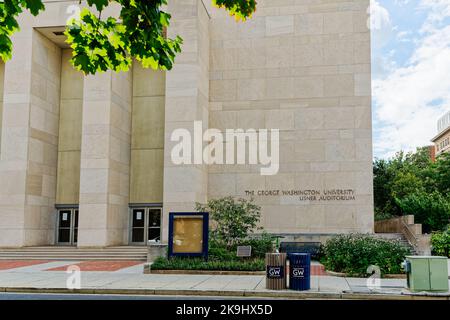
[[218, 252], [382, 215], [354, 253], [233, 219], [162, 263], [440, 242], [432, 210], [261, 244]]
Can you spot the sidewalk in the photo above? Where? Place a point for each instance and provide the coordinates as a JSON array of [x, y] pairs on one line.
[[131, 280]]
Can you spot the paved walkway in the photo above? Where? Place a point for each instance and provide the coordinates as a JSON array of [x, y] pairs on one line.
[[30, 266], [126, 277], [115, 280]]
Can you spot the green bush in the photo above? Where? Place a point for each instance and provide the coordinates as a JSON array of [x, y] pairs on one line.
[[162, 263], [354, 253], [432, 210], [261, 244], [219, 252], [383, 215], [233, 219], [440, 242]]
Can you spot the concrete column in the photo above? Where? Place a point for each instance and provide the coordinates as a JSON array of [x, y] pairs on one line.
[[105, 160], [29, 141], [187, 100]]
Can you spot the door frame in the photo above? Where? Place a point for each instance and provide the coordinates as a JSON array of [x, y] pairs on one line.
[[72, 211], [146, 210]]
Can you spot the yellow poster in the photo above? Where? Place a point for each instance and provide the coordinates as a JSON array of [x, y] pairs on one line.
[[188, 234]]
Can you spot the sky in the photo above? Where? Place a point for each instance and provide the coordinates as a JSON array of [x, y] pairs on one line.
[[410, 72]]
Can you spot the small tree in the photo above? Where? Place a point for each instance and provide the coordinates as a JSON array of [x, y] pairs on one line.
[[234, 219], [443, 173], [406, 183], [440, 242], [432, 210]]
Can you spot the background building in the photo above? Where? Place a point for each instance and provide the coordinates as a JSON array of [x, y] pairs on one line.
[[442, 140], [85, 160]]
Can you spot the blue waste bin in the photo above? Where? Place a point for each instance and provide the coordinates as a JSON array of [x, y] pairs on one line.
[[299, 271]]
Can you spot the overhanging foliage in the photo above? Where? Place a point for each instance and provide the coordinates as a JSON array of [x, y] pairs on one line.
[[110, 43]]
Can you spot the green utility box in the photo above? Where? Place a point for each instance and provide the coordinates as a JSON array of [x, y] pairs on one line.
[[426, 273]]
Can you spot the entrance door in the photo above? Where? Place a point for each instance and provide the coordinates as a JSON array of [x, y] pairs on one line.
[[138, 226], [145, 225], [154, 225], [67, 227]]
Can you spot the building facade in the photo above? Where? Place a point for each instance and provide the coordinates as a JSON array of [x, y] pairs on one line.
[[442, 139], [87, 160]]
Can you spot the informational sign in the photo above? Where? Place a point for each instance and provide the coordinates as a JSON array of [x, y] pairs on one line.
[[244, 251], [275, 272], [188, 234], [64, 216], [308, 195]]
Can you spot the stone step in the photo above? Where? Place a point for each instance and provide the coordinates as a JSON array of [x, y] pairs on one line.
[[71, 251], [83, 254], [390, 236], [76, 258], [65, 248], [74, 253], [52, 256]]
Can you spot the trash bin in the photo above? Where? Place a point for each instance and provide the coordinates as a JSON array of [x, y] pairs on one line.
[[276, 271], [299, 271]]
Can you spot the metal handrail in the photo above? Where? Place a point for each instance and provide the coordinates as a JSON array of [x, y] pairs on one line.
[[409, 234]]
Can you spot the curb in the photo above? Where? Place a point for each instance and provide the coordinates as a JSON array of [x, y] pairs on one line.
[[231, 293]]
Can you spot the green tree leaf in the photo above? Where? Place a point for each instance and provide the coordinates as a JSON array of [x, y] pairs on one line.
[[99, 4], [101, 44], [33, 5]]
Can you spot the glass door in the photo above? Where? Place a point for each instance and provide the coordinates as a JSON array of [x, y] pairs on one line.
[[145, 225], [67, 226], [154, 225], [138, 226], [75, 227]]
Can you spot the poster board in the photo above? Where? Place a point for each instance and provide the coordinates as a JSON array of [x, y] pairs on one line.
[[188, 234]]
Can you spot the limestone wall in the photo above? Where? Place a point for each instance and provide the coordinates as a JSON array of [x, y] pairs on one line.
[[104, 141], [105, 159], [187, 92], [69, 144], [2, 75], [147, 139], [302, 67], [29, 141]]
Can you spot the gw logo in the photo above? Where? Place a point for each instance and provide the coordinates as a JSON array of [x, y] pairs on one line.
[[298, 272], [275, 272]]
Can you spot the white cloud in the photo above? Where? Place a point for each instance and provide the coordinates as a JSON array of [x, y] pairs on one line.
[[410, 99], [379, 17], [382, 31], [439, 11], [403, 36]]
